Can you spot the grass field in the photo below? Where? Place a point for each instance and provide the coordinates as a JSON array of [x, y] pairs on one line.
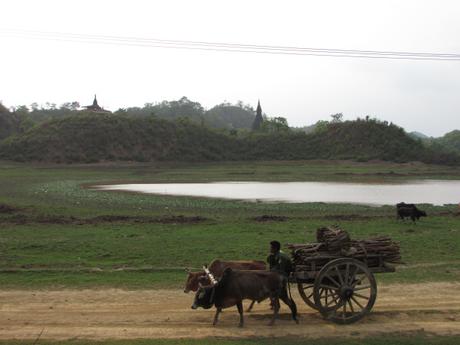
[[56, 233], [388, 340]]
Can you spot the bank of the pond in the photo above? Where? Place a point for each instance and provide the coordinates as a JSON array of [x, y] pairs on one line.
[[55, 233]]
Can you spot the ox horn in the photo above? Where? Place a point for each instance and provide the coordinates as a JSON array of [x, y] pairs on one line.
[[210, 275]]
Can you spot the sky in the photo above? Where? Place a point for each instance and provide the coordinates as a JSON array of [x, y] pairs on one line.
[[420, 96]]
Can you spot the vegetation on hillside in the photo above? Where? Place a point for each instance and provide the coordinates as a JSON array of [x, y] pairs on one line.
[[183, 130], [450, 141], [225, 115], [88, 137], [10, 123], [230, 116]]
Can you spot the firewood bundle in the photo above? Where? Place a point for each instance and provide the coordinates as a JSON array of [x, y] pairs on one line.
[[334, 238], [336, 242], [381, 245]]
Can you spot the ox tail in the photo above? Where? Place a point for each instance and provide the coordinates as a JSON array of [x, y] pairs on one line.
[[289, 289], [285, 286]]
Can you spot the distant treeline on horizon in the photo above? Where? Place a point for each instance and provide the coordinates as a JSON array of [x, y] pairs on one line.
[[183, 130]]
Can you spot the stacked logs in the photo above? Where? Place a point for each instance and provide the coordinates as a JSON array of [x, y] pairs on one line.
[[334, 238], [336, 242]]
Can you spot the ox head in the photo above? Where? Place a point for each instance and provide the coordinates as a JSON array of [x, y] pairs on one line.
[[204, 297], [193, 280], [422, 213]]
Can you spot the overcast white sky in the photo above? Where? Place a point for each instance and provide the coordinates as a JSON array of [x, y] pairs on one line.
[[418, 95]]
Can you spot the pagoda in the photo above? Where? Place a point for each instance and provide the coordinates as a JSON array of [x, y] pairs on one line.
[[96, 107], [259, 119]]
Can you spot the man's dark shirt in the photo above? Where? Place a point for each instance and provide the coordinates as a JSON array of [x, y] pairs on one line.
[[280, 262]]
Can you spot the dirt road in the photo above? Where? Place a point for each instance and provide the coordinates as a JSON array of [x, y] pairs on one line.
[[100, 314]]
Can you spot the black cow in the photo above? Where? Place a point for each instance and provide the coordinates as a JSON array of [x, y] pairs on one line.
[[403, 204], [235, 286], [411, 211]]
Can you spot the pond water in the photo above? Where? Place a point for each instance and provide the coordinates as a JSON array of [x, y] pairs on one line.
[[423, 191]]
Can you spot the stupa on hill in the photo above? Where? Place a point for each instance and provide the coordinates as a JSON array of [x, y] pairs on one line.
[[96, 108]]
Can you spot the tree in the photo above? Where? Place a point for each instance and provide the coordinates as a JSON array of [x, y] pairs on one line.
[[275, 125], [21, 110], [73, 106], [336, 118], [321, 126]]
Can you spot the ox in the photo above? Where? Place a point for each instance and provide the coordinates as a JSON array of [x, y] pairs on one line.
[[235, 286], [217, 268], [411, 211]]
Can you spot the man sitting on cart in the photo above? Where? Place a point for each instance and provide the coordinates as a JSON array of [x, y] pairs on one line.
[[278, 261]]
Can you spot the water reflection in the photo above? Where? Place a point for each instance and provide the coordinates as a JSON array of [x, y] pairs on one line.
[[426, 191]]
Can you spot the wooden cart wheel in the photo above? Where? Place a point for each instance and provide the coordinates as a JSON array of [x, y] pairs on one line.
[[306, 292], [344, 290]]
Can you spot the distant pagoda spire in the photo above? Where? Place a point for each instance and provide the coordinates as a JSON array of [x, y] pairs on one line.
[[95, 107], [259, 119]]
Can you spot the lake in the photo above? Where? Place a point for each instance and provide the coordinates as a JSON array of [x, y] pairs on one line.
[[422, 191]]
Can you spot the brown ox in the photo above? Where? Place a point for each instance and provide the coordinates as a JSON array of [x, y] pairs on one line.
[[217, 268], [235, 286]]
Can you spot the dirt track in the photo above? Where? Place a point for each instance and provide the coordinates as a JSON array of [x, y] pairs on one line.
[[101, 314]]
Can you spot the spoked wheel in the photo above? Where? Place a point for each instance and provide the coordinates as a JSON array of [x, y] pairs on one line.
[[344, 291], [306, 292]]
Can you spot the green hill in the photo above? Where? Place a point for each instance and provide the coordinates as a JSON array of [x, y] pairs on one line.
[[450, 141], [224, 115], [99, 137], [9, 123], [229, 116], [418, 135], [361, 140], [93, 138]]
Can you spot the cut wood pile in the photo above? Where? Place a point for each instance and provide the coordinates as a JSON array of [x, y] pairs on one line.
[[335, 242]]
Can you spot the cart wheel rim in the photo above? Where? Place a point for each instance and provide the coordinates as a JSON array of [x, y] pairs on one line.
[[306, 292], [351, 290]]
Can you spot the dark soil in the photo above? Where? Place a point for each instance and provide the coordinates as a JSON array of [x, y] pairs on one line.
[[269, 218], [7, 209], [47, 219]]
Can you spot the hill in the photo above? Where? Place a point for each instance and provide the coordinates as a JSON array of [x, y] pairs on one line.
[[418, 135], [361, 140], [224, 115], [9, 123], [229, 116], [92, 138], [450, 141]]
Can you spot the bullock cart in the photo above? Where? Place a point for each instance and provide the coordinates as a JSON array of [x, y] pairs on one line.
[[339, 281]]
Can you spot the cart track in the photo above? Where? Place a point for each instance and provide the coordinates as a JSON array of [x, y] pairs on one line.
[[120, 314]]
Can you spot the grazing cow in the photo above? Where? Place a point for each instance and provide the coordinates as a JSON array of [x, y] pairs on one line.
[[235, 286], [217, 268], [403, 204], [411, 211]]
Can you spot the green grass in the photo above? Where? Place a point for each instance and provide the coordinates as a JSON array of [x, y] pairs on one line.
[[387, 340], [57, 189], [45, 247], [157, 253]]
